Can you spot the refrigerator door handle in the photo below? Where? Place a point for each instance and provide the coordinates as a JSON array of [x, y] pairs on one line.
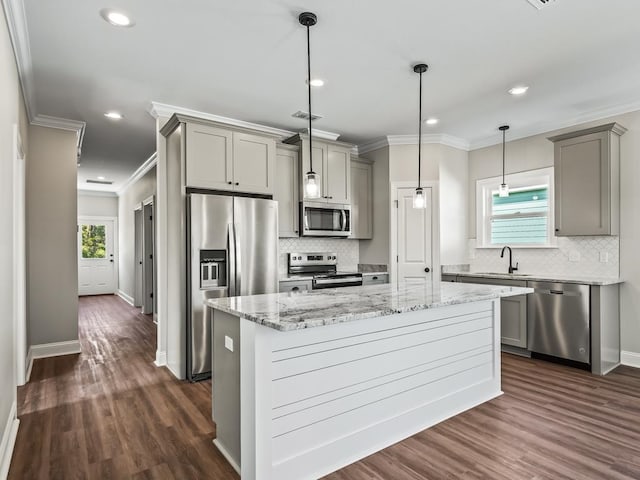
[[231, 247], [238, 260]]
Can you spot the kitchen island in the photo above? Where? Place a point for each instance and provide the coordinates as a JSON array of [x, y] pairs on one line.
[[306, 383]]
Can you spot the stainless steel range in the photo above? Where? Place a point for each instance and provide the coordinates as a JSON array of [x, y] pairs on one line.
[[324, 268]]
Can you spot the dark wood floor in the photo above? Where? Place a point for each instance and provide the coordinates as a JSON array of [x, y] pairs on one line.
[[109, 413]]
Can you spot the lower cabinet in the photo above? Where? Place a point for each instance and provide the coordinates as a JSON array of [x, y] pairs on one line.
[[513, 311], [375, 279], [295, 286]]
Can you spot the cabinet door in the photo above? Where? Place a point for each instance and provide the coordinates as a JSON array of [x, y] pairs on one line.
[[209, 157], [298, 286], [361, 200], [582, 187], [319, 161], [286, 192], [377, 279], [513, 321], [254, 160], [337, 175]]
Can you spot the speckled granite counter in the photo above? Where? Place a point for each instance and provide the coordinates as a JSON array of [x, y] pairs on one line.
[[535, 277], [295, 311]]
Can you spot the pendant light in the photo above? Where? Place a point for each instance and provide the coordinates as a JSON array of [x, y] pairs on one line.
[[504, 188], [419, 200], [311, 183]]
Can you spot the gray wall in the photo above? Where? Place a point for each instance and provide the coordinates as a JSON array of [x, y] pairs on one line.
[[91, 205], [12, 113], [52, 261], [127, 202]]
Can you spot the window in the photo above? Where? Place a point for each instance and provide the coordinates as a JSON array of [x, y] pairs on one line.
[[524, 218], [94, 241]]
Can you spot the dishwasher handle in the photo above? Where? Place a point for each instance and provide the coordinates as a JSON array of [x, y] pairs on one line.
[[557, 292]]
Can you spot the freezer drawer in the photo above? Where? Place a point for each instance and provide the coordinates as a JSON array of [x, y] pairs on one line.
[[558, 321]]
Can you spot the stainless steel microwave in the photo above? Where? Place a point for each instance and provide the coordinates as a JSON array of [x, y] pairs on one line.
[[318, 219]]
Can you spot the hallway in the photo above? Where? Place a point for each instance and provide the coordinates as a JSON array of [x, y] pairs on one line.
[[109, 413]]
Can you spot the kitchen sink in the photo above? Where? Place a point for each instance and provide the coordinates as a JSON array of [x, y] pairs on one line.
[[502, 274]]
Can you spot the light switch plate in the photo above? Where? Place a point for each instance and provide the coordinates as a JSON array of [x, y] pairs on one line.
[[228, 343], [604, 257], [574, 256]]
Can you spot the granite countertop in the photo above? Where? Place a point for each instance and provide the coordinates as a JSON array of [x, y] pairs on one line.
[[583, 280], [296, 311]]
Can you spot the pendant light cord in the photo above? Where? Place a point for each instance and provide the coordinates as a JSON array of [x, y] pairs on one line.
[[419, 129], [309, 85], [503, 153]]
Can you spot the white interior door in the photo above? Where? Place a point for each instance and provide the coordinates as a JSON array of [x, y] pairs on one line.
[[96, 256], [414, 230]]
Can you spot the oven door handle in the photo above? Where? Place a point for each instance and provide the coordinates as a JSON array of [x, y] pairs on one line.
[[333, 281]]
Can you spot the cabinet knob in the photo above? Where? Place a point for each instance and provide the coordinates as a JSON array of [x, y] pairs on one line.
[[230, 183], [427, 270], [374, 278], [237, 183], [557, 229], [295, 289]]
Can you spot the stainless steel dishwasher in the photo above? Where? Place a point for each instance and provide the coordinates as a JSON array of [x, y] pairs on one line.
[[558, 321]]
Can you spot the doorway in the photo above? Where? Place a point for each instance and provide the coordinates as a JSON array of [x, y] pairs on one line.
[[138, 294], [97, 265], [148, 256], [415, 244]]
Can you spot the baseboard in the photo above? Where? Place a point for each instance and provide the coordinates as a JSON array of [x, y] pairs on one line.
[[161, 359], [8, 441], [53, 350], [631, 359], [225, 453], [125, 297], [29, 366]]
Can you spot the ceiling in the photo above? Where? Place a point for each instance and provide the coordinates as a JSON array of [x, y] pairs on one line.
[[246, 60]]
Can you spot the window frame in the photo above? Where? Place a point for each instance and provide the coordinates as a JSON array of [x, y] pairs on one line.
[[485, 187]]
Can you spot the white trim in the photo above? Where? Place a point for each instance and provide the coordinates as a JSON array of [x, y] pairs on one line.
[[158, 109], [435, 227], [96, 193], [551, 126], [29, 365], [19, 33], [435, 138], [54, 349], [62, 124], [8, 442], [161, 358], [116, 244], [125, 297], [323, 134], [148, 200], [631, 359], [226, 455], [139, 173]]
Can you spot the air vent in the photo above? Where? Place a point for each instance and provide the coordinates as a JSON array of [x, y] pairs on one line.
[[100, 182], [305, 115], [540, 4]]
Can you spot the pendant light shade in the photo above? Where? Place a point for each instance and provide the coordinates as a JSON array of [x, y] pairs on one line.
[[311, 183], [419, 199], [503, 191]]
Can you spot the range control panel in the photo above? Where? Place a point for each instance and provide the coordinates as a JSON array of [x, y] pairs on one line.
[[309, 259]]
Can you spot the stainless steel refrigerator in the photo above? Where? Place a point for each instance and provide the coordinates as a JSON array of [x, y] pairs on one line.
[[232, 250]]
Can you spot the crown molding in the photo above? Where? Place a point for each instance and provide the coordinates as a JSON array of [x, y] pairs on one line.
[[96, 193], [139, 173], [163, 110], [19, 34], [63, 124], [435, 138], [552, 126], [322, 134], [371, 146]]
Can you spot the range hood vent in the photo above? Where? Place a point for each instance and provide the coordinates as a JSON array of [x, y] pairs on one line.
[[101, 182], [305, 115], [540, 4]]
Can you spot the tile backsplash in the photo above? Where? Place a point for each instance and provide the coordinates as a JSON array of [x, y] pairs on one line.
[[586, 256], [348, 251]]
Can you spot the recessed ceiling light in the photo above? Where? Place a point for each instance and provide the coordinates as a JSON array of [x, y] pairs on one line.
[[431, 121], [100, 177], [519, 90], [115, 18], [316, 82], [114, 115]]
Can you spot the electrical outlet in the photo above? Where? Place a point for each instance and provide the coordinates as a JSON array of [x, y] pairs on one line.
[[604, 257], [228, 343], [574, 256]]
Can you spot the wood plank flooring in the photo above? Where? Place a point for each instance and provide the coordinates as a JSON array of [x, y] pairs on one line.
[[109, 413]]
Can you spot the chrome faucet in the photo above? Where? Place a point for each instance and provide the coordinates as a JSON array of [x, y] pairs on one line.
[[511, 267]]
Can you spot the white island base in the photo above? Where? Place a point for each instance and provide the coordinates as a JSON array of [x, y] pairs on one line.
[[312, 401]]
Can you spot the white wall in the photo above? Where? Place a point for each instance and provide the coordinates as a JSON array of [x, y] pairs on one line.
[[454, 213], [127, 202], [52, 216], [12, 113], [97, 205], [537, 152]]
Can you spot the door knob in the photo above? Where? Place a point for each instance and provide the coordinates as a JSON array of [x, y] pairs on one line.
[[427, 270], [111, 260]]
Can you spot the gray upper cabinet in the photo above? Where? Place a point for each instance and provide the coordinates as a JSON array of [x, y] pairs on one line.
[[332, 161], [587, 181], [219, 158], [361, 198], [286, 190]]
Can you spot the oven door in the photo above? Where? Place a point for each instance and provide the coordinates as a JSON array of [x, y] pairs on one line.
[[320, 283], [324, 220]]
